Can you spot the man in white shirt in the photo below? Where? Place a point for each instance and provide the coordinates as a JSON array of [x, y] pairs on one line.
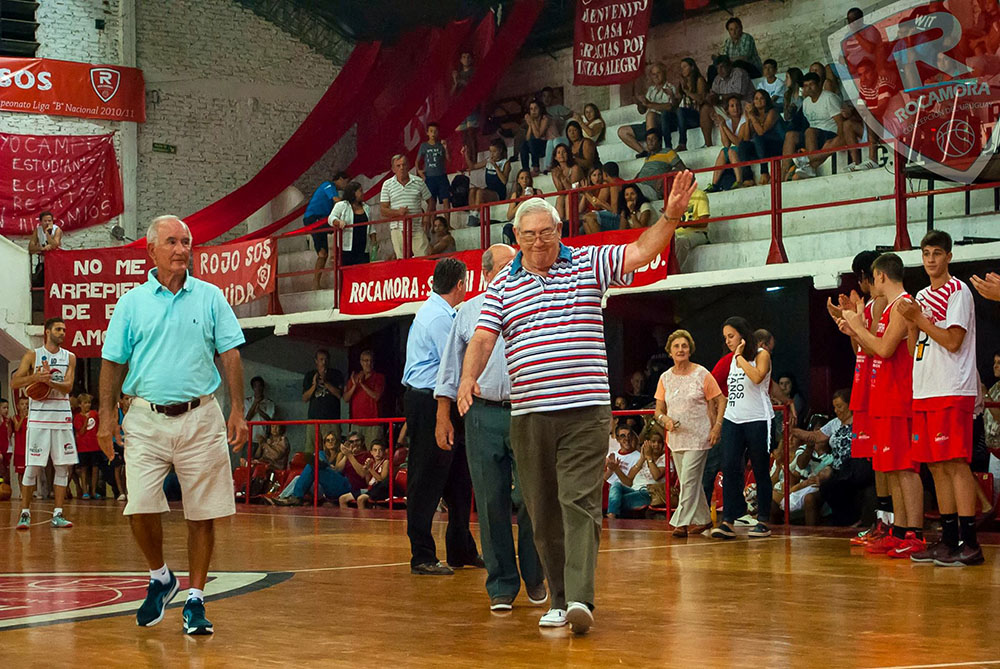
[[258, 407], [772, 84], [405, 194], [46, 237], [826, 129]]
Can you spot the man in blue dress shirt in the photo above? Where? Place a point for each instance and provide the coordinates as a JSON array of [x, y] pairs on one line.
[[168, 331], [491, 460], [433, 472]]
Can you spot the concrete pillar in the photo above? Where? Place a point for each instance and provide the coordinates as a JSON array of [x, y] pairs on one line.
[[129, 129]]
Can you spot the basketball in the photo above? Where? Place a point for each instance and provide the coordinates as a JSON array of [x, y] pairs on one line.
[[37, 391]]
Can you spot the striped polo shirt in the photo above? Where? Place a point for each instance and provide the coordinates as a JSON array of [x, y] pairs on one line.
[[554, 328], [412, 195]]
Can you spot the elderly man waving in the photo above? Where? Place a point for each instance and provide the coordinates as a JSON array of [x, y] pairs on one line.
[[547, 306]]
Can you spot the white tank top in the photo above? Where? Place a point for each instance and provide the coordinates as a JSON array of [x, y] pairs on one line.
[[53, 412], [748, 401]]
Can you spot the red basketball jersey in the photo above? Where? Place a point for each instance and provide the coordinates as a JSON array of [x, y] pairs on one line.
[[862, 369], [891, 390]]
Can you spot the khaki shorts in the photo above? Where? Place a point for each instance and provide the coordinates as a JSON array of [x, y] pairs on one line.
[[195, 444], [418, 245]]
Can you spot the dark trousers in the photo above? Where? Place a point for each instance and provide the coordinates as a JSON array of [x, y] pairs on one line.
[[761, 146], [668, 123], [433, 474], [496, 484], [535, 148], [850, 492], [713, 465], [740, 440], [687, 118], [560, 458]]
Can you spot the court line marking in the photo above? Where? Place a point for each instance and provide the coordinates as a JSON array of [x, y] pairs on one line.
[[40, 522], [944, 664]]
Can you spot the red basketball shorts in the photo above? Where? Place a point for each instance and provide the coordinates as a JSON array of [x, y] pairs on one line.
[[891, 444], [861, 436], [942, 429]]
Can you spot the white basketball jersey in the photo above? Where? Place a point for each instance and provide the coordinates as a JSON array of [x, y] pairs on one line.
[[54, 411], [938, 372]]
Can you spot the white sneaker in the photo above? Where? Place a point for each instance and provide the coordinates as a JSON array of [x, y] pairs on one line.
[[122, 498], [579, 617], [553, 618], [805, 172], [745, 520], [867, 165], [800, 162]]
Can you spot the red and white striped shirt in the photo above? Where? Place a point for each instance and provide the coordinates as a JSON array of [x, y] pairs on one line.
[[938, 372], [554, 328]]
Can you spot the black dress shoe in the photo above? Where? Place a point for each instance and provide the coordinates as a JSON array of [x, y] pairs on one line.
[[432, 569], [475, 562]]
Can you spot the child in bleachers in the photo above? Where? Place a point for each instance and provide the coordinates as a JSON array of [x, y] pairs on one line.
[[497, 172], [771, 84], [379, 469]]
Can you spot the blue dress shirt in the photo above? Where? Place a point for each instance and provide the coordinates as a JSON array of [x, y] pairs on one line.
[[426, 341], [494, 382]]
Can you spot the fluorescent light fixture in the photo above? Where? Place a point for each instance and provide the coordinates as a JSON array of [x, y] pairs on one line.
[[771, 289]]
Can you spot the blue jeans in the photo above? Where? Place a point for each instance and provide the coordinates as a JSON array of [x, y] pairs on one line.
[[768, 145], [622, 497], [332, 483], [535, 148], [687, 118]]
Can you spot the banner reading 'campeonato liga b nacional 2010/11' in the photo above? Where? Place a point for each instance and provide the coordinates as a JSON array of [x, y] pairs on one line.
[[66, 88]]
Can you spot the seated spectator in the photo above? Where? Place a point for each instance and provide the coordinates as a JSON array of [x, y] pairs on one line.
[[46, 237], [644, 481], [558, 112], [379, 469], [441, 240], [827, 76], [497, 172], [771, 84], [405, 194], [731, 80], [790, 389], [584, 150], [741, 48], [256, 407], [791, 107], [634, 210], [693, 91], [351, 210], [566, 175], [694, 232], [766, 139], [541, 130], [875, 92], [459, 80], [591, 123], [660, 161], [599, 207], [319, 208], [657, 104], [85, 431], [734, 130], [617, 466], [434, 155], [273, 451], [352, 460], [821, 110], [637, 396], [524, 188], [333, 484]]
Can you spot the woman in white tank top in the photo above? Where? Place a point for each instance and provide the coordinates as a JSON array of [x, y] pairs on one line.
[[745, 428]]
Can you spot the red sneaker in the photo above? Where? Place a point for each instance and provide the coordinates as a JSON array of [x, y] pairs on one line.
[[883, 545], [876, 531], [908, 546]]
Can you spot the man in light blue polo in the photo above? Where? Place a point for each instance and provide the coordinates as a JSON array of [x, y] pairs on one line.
[[168, 331]]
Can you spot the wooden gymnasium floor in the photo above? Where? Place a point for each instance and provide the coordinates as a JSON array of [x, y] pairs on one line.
[[334, 589]]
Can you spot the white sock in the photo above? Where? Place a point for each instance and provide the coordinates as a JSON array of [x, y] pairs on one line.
[[890, 517], [57, 511], [162, 574], [27, 511], [195, 593]]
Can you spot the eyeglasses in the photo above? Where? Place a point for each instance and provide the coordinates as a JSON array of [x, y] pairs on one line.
[[529, 237]]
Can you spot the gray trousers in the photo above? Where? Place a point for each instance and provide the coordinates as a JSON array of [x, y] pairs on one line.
[[692, 509], [495, 484], [560, 460]]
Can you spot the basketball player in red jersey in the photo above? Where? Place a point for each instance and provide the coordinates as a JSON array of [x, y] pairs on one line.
[[890, 407], [945, 385], [861, 444]]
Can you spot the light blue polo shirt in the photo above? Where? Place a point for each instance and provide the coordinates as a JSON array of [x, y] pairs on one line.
[[169, 341], [425, 343]]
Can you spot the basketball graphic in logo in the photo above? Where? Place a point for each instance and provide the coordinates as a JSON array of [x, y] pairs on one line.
[[955, 138]]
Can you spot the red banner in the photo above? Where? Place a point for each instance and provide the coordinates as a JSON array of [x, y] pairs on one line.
[[66, 88], [610, 41], [383, 286], [245, 271], [75, 177]]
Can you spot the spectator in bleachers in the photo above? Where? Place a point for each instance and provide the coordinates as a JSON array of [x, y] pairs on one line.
[[584, 150], [791, 108], [333, 484], [636, 486], [827, 76], [730, 80], [406, 194], [875, 91], [690, 407], [692, 91], [441, 240], [322, 389], [771, 84], [319, 208], [991, 417], [790, 389], [470, 126], [497, 171], [434, 155], [657, 105], [273, 450], [353, 460], [591, 123], [865, 42], [766, 140], [634, 209], [566, 175], [524, 188], [558, 112], [694, 232], [734, 130], [351, 210], [257, 406], [379, 469], [741, 48], [821, 110], [541, 130], [660, 161], [598, 207], [363, 393], [46, 237], [617, 467]]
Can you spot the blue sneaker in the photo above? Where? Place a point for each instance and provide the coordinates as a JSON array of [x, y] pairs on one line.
[[195, 622], [59, 521], [158, 595], [24, 522]]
